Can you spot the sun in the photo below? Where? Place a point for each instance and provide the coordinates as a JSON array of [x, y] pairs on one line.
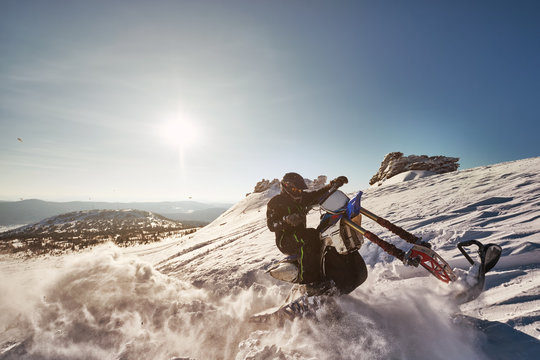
[[179, 133]]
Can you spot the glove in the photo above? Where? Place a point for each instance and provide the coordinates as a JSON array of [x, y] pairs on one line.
[[339, 181], [294, 219]]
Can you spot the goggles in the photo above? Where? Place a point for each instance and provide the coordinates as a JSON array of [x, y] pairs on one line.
[[290, 188]]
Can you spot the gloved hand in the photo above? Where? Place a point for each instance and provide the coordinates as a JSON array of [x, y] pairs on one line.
[[294, 219], [339, 181]]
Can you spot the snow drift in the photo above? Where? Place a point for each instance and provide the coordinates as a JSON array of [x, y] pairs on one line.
[[192, 296], [109, 306]]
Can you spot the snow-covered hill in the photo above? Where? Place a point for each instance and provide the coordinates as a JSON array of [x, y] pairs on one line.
[[96, 220], [191, 296], [83, 228]]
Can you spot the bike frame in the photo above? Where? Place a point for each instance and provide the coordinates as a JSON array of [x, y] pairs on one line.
[[418, 255]]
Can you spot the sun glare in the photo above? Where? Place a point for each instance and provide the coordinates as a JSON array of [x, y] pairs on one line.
[[179, 133]]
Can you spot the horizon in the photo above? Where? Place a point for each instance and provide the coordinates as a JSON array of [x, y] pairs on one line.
[[198, 101], [124, 202], [210, 202], [345, 188]]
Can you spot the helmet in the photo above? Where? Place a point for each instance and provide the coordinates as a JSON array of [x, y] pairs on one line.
[[293, 184]]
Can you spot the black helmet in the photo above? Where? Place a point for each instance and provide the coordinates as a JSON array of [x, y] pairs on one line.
[[293, 184]]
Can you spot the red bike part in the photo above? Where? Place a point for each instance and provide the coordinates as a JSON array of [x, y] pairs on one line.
[[432, 262]]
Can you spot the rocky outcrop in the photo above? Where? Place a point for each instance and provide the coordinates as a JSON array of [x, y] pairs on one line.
[[264, 185], [395, 163], [315, 184]]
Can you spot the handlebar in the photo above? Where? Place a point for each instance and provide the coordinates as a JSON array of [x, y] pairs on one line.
[[461, 246]]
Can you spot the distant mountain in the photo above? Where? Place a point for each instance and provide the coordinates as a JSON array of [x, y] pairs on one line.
[[31, 211], [80, 229]]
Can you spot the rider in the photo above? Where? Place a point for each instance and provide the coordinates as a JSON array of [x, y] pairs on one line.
[[286, 216]]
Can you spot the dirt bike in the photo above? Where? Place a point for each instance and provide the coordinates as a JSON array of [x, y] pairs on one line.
[[342, 267]]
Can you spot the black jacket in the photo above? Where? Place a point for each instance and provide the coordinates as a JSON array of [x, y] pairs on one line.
[[283, 205]]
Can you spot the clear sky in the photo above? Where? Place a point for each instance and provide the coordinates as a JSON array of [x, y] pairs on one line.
[[167, 100]]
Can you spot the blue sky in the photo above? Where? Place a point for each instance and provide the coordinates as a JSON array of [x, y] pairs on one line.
[[167, 100]]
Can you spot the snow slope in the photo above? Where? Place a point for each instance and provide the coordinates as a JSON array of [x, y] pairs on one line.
[[191, 297], [405, 176]]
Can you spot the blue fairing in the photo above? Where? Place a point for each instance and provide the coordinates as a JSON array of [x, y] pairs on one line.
[[353, 207], [328, 220]]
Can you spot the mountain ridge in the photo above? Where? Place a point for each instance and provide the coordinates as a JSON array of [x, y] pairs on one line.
[[34, 210], [81, 229]]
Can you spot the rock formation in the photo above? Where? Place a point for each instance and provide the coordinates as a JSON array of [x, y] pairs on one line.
[[315, 184], [395, 163], [264, 185]]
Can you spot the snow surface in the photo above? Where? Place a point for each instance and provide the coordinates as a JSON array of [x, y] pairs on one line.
[[405, 176], [10, 227], [192, 296]]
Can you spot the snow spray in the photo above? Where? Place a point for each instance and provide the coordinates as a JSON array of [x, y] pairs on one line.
[[110, 306]]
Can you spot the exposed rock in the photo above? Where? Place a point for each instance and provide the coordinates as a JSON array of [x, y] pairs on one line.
[[317, 183], [264, 185], [395, 163]]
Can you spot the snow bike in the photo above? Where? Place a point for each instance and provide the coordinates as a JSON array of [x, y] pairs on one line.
[[343, 269]]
